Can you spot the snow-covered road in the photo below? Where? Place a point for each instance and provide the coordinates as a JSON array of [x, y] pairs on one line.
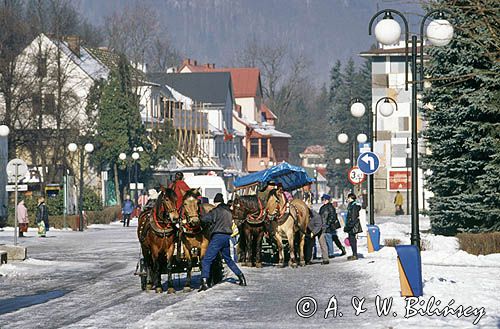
[[85, 280]]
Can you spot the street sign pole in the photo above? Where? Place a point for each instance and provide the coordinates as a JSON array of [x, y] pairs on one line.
[[65, 190], [15, 204]]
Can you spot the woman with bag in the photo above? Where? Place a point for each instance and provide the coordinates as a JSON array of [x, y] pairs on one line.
[[22, 216], [353, 226], [42, 217]]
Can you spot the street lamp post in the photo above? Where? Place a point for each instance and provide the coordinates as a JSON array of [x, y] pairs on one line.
[[135, 156], [87, 148], [316, 182], [408, 151], [388, 32], [4, 158]]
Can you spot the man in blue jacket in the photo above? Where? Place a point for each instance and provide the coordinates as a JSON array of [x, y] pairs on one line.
[[127, 209], [221, 222]]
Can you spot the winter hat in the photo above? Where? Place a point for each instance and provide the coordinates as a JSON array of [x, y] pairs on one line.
[[218, 198], [325, 197], [153, 195]]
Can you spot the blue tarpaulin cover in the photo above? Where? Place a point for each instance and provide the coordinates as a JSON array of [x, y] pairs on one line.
[[291, 177]]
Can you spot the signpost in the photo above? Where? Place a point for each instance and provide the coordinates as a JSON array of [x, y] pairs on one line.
[[356, 176], [368, 162], [16, 169]]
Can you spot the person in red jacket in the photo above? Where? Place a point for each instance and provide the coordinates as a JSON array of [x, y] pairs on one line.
[[180, 188]]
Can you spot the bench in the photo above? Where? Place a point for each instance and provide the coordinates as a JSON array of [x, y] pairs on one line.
[[3, 257]]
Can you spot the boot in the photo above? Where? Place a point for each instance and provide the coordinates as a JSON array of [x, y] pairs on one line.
[[343, 251], [204, 285], [21, 234], [243, 281], [352, 257]]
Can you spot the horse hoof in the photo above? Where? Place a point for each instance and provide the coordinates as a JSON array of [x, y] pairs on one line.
[[293, 265], [159, 290], [170, 291], [258, 265], [302, 263], [187, 289], [281, 264], [246, 264], [149, 287]]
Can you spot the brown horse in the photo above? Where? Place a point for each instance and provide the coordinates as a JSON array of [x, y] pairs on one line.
[[156, 233], [249, 216], [193, 236], [291, 219]]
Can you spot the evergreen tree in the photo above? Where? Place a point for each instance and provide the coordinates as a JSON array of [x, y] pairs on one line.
[[464, 123]]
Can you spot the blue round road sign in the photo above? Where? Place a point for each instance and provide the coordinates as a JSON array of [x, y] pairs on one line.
[[368, 162]]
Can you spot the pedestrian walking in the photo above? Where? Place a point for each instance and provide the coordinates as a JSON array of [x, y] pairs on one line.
[[398, 203], [329, 215], [3, 217], [180, 188], [127, 209], [220, 220], [22, 217], [42, 217], [316, 229], [353, 226]]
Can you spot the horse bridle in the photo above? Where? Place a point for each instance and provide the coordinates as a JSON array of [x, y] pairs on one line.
[[170, 208], [185, 213], [277, 210]]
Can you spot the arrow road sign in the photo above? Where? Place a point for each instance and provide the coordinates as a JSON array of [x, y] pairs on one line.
[[12, 188], [368, 162]]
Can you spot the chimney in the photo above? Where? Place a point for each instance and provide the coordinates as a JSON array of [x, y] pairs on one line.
[[195, 63], [207, 65], [186, 61], [74, 44], [213, 65]]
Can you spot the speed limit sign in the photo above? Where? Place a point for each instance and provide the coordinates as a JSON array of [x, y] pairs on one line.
[[356, 176]]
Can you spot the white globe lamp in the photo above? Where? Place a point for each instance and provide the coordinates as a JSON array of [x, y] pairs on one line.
[[439, 32], [358, 109], [72, 147], [135, 155], [4, 130], [347, 161], [337, 161], [122, 156], [388, 30], [386, 108], [342, 138], [362, 138], [89, 147]]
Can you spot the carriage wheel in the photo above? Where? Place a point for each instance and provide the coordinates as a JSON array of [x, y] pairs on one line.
[[216, 271], [144, 278]]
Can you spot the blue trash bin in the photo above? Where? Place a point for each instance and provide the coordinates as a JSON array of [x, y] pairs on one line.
[[373, 238], [410, 270]]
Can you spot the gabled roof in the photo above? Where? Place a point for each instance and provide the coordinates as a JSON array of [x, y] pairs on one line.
[[246, 80], [94, 68], [315, 149], [208, 87], [268, 112]]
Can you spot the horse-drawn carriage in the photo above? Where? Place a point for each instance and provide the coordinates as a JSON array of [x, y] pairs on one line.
[[173, 242], [258, 212]]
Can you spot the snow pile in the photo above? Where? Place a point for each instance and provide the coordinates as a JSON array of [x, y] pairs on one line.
[[448, 274]]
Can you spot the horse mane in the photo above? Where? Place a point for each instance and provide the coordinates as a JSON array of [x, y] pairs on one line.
[[194, 192], [249, 201], [273, 192]]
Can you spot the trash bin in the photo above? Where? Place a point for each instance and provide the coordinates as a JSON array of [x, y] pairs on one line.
[[373, 238], [410, 270]]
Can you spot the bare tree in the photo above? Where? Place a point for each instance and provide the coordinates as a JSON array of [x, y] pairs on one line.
[[283, 72]]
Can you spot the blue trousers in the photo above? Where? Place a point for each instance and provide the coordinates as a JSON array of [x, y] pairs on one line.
[[329, 243], [219, 242]]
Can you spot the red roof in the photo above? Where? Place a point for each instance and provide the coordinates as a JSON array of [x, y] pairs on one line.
[[246, 80]]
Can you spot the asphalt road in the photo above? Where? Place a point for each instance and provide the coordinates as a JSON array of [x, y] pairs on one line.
[[85, 280]]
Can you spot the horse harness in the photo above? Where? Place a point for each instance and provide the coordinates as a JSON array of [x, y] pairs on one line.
[[254, 218], [154, 225]]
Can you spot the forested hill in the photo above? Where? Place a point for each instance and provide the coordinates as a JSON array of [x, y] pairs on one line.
[[214, 30]]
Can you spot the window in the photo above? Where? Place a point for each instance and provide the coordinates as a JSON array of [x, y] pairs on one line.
[[49, 104], [404, 123], [254, 147], [263, 116], [263, 148], [36, 102], [41, 69]]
